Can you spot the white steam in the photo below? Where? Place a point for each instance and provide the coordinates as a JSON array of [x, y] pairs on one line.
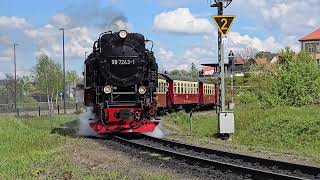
[[84, 127], [158, 132]]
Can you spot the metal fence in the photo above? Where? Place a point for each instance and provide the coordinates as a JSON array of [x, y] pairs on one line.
[[40, 108]]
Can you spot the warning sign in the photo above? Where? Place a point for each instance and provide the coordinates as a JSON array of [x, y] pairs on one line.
[[224, 23]]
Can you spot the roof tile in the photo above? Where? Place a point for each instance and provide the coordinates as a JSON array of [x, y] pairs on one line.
[[315, 35]]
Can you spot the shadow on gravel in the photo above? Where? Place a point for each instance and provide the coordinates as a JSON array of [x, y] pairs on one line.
[[71, 129], [68, 129]]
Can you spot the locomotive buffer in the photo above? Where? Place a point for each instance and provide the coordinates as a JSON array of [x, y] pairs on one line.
[[223, 23]]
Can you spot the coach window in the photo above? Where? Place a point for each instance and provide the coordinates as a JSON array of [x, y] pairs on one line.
[[192, 88], [186, 88]]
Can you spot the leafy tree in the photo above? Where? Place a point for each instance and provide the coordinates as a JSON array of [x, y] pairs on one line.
[[286, 56], [7, 92], [71, 80], [48, 75], [72, 76], [193, 71]]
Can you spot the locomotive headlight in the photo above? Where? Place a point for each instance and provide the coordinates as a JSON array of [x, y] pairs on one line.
[[142, 90], [107, 89], [123, 34]]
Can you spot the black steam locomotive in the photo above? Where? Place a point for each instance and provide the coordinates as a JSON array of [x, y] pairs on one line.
[[120, 82]]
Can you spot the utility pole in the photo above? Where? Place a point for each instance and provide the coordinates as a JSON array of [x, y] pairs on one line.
[[64, 73], [15, 74]]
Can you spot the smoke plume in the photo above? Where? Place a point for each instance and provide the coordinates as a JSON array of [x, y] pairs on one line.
[[84, 128], [91, 13], [159, 132]]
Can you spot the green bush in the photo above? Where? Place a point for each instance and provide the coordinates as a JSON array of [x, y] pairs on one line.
[[248, 98], [297, 82]]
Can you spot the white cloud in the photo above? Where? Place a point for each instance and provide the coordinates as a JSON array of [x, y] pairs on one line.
[[48, 39], [292, 17], [245, 41], [61, 20], [6, 55], [181, 21], [23, 72], [4, 40], [166, 59], [13, 22]]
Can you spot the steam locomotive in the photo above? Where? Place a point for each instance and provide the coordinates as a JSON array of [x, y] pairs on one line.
[[121, 77], [125, 90]]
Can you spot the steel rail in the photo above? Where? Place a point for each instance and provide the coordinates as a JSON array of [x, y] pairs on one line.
[[268, 163], [204, 162]]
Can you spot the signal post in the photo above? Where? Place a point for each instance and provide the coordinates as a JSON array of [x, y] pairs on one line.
[[223, 23]]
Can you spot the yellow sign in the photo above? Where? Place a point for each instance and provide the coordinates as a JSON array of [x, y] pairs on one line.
[[224, 23]]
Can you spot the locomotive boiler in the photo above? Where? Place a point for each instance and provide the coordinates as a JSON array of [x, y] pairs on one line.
[[120, 83]]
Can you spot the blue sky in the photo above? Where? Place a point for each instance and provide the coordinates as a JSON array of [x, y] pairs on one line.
[[182, 29]]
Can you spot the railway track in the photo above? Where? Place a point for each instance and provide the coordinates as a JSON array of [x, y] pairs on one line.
[[246, 167]]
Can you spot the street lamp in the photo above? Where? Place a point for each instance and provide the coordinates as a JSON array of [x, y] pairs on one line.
[[64, 73], [15, 74]]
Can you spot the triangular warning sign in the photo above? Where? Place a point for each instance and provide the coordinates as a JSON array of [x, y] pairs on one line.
[[223, 23], [231, 54]]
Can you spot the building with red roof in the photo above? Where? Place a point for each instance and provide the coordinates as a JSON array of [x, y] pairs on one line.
[[311, 44]]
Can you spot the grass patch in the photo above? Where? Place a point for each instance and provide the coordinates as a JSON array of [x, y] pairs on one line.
[[29, 150], [203, 124], [286, 128], [25, 141], [293, 129]]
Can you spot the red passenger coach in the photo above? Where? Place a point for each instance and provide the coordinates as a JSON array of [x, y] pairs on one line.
[[162, 92], [182, 91], [208, 93]]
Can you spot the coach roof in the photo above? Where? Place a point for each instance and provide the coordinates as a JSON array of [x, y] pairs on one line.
[[180, 78]]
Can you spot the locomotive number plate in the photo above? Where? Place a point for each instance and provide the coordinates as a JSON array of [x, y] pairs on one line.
[[122, 61]]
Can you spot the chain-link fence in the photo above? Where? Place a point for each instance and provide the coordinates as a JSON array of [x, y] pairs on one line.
[[40, 108]]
